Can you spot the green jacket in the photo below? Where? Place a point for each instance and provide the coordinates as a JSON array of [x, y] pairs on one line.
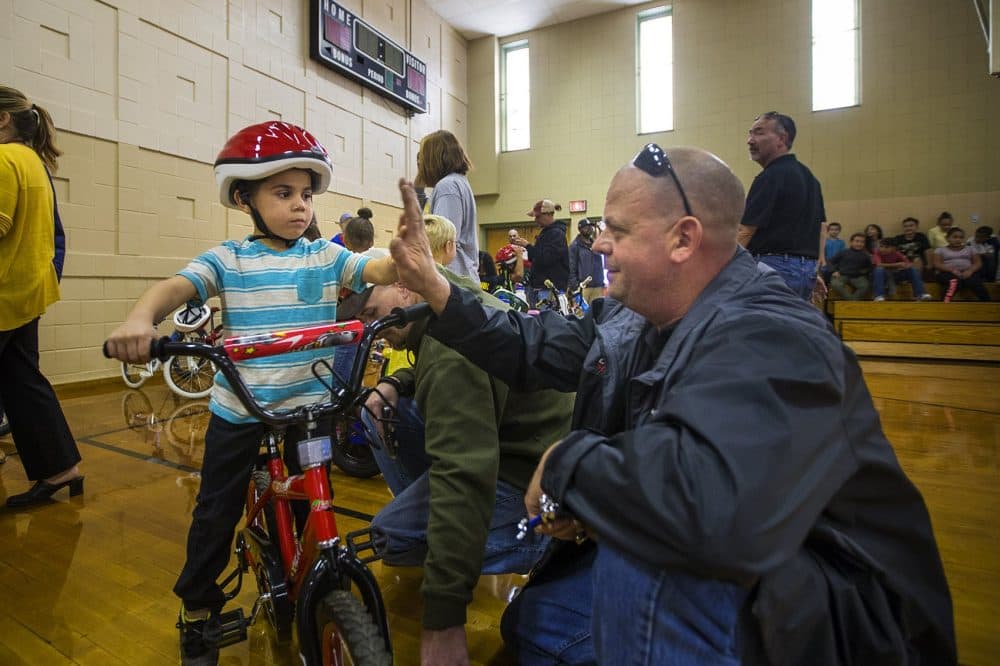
[[477, 430]]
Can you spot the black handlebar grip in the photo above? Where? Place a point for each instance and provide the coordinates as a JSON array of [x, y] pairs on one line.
[[104, 349], [156, 348], [412, 313]]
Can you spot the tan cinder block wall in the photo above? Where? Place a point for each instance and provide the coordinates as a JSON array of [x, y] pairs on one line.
[[145, 93], [926, 137]]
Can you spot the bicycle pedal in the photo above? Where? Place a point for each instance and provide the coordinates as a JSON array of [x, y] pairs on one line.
[[360, 541], [234, 627]]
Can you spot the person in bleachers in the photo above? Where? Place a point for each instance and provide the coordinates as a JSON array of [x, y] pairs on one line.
[[938, 236], [832, 246], [890, 265], [956, 266], [873, 234], [987, 246], [913, 244], [851, 269]]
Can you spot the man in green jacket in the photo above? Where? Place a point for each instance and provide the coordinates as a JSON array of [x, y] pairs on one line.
[[458, 484]]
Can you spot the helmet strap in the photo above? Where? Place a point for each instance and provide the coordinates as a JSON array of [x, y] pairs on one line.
[[258, 222]]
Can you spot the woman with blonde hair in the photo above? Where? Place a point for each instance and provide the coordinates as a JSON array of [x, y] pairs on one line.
[[28, 285], [442, 164]]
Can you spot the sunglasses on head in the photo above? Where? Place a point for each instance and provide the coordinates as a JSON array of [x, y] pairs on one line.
[[653, 161]]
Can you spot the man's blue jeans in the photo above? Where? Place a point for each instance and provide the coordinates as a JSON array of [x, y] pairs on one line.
[[621, 611], [799, 273], [399, 530]]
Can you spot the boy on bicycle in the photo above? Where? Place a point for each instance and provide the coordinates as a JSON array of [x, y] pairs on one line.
[[271, 280]]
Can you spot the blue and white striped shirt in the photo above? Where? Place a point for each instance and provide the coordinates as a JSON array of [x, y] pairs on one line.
[[263, 290]]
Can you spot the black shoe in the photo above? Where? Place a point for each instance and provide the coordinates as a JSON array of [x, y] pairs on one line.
[[4, 424], [199, 640], [42, 491]]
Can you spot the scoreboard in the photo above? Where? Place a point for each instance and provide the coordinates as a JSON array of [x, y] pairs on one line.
[[343, 42]]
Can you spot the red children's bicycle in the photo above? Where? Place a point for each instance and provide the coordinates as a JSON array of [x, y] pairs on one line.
[[315, 584]]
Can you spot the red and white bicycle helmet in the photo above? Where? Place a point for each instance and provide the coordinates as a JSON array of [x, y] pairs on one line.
[[264, 149], [507, 256]]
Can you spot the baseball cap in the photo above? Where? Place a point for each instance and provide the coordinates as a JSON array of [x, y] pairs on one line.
[[585, 222], [352, 304], [542, 207], [345, 217]]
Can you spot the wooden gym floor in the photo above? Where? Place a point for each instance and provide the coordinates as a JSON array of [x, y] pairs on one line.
[[87, 581]]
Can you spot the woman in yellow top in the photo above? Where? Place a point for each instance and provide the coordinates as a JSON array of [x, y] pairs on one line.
[[28, 285]]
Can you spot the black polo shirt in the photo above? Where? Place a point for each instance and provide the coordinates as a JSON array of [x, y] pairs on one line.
[[785, 204]]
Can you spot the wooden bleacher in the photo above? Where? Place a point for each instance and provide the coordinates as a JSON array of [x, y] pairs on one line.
[[966, 332]]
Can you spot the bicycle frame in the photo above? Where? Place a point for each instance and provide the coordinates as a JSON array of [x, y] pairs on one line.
[[317, 562]]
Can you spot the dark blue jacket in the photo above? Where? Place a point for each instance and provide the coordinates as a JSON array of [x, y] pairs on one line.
[[749, 451]]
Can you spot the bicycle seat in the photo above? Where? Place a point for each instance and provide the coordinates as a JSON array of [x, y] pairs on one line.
[[191, 317]]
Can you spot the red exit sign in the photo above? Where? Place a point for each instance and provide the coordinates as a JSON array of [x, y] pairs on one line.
[[578, 206]]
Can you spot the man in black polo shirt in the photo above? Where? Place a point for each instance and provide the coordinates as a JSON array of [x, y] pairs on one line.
[[784, 209]]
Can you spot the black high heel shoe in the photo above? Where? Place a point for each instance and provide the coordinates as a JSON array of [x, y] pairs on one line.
[[42, 491]]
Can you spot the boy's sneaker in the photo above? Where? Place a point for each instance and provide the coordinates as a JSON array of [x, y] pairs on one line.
[[879, 299], [201, 632], [925, 297]]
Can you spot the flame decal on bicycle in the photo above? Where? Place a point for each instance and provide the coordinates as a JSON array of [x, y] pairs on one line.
[[293, 340]]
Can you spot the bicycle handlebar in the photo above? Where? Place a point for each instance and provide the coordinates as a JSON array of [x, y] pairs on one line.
[[280, 342]]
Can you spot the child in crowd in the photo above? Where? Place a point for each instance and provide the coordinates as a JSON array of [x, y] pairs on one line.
[[913, 244], [851, 267], [890, 262], [957, 264], [873, 234], [441, 235], [269, 281], [832, 246], [987, 246], [938, 235]]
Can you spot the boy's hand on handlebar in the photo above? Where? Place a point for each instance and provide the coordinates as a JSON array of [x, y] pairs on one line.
[[131, 341], [385, 394]]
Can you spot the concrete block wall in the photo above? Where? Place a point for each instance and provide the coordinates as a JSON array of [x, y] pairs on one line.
[[145, 92]]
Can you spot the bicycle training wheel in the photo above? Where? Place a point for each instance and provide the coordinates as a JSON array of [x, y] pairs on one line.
[[134, 374], [189, 377], [348, 634]]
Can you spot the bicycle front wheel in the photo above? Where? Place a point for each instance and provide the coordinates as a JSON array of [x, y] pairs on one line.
[[134, 374], [189, 377], [348, 634]]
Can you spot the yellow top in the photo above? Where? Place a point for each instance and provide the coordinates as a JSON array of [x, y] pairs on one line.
[[28, 281]]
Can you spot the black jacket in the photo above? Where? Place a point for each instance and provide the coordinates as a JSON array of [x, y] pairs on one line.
[[550, 257], [748, 451]]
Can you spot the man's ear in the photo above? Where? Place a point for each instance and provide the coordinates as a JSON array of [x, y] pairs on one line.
[[687, 234]]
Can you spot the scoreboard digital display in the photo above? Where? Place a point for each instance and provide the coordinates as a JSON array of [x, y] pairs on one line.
[[342, 41]]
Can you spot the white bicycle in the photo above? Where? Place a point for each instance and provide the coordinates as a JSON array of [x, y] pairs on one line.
[[187, 376]]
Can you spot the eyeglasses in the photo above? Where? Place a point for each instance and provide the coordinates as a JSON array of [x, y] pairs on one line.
[[653, 161]]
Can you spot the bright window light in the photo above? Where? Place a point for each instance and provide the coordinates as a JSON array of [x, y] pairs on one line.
[[655, 70], [515, 97], [835, 53]]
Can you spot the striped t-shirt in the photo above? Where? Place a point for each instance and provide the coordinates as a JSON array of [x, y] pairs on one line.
[[263, 290]]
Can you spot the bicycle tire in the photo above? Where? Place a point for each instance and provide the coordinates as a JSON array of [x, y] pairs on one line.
[[132, 374], [353, 459], [189, 377], [347, 633], [186, 429]]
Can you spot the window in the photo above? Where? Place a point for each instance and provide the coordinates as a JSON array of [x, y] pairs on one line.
[[515, 97], [835, 53], [655, 70]]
